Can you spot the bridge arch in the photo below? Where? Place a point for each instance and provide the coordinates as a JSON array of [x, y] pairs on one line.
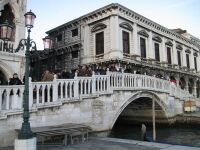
[[6, 70], [141, 94]]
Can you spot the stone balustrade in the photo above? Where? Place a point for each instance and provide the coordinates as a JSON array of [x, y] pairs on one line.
[[49, 94], [7, 47]]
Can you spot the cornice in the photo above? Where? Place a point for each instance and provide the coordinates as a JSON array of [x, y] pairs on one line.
[[129, 13]]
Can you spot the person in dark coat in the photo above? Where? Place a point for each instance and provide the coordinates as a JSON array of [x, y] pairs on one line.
[[15, 80]]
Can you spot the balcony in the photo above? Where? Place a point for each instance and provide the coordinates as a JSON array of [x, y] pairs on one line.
[[6, 46]]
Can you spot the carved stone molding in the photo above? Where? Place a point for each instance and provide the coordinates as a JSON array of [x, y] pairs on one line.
[[143, 33], [157, 38], [126, 26], [178, 46], [169, 43], [98, 27]]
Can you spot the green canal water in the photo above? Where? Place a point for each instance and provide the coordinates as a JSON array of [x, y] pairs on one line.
[[173, 134]]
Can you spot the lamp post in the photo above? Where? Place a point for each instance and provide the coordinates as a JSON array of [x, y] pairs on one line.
[[26, 139], [25, 132], [5, 32]]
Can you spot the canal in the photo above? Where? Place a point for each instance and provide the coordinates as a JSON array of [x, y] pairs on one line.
[[174, 134]]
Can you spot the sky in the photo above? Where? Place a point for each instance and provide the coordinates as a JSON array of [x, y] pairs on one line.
[[172, 14]]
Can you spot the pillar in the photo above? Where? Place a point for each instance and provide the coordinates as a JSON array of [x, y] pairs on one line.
[[184, 64], [30, 93], [55, 89], [174, 53], [115, 39], [86, 44], [135, 40], [150, 51], [163, 51], [177, 80], [191, 59], [186, 84], [1, 92], [195, 88]]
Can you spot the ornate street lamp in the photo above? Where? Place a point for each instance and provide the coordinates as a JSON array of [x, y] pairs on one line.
[[29, 45], [5, 32], [47, 41]]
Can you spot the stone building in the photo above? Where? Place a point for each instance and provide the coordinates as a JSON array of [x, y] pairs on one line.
[[13, 11], [116, 35]]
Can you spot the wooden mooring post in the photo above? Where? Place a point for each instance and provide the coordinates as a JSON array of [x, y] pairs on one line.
[[153, 118]]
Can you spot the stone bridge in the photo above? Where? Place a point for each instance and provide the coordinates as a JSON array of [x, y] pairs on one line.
[[97, 101]]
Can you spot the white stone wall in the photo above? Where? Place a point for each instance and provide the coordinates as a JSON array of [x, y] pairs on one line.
[[100, 113], [113, 37], [11, 62]]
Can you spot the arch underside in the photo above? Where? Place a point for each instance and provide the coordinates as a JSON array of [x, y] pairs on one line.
[[6, 70], [138, 95]]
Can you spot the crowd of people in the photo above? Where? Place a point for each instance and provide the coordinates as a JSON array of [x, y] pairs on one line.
[[84, 71]]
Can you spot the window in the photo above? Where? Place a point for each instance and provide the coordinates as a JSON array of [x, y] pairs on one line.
[[179, 57], [169, 59], [188, 60], [75, 32], [59, 38], [143, 47], [75, 54], [195, 63], [157, 52], [99, 43], [125, 36]]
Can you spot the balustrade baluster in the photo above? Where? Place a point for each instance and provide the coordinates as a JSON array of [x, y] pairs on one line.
[[8, 99], [1, 95], [37, 95]]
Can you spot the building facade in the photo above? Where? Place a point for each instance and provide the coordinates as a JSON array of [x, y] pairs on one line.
[[12, 11], [116, 35]]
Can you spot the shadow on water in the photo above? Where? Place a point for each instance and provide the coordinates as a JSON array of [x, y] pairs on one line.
[[181, 134]]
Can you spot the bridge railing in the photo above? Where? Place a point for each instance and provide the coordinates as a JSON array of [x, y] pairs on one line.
[[47, 94], [11, 97], [126, 81]]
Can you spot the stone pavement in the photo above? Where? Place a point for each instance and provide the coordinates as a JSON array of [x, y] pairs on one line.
[[118, 144], [114, 144]]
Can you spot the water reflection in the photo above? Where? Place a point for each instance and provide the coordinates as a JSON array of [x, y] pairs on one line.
[[176, 134]]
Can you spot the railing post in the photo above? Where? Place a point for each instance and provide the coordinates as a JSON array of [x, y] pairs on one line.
[[76, 88], [1, 92], [122, 78], [94, 83], [8, 100], [55, 89], [30, 93]]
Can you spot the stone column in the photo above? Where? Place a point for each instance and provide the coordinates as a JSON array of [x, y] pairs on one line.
[[174, 53], [186, 84], [86, 44], [135, 40], [30, 93], [115, 39], [184, 57], [150, 51], [198, 62], [191, 59], [195, 88], [1, 92], [163, 51], [177, 80]]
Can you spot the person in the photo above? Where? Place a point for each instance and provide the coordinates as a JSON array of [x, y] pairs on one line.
[[143, 132], [15, 80], [65, 74], [47, 76]]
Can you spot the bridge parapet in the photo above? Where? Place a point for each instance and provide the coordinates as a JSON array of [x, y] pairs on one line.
[[50, 94]]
